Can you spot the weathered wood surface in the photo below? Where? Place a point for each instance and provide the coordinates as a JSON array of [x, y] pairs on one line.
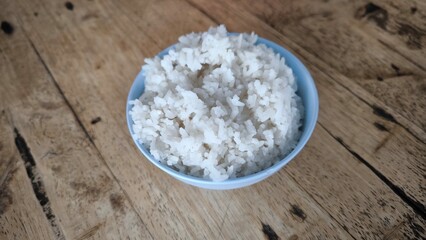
[[69, 169], [365, 61]]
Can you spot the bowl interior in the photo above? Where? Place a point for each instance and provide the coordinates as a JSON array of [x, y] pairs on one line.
[[306, 90]]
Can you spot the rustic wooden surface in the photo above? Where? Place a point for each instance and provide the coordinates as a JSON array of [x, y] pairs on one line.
[[69, 169]]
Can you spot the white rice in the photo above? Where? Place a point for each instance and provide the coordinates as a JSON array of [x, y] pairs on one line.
[[218, 106]]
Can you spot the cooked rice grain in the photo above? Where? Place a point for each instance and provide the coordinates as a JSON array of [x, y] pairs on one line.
[[218, 106]]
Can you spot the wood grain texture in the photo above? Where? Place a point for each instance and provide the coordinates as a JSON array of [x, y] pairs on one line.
[[402, 89], [76, 190], [160, 201], [341, 115], [69, 67], [364, 31], [21, 216]]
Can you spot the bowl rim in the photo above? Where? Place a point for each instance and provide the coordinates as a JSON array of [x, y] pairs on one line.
[[306, 134]]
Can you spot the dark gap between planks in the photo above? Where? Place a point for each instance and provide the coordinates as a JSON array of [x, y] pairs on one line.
[[36, 183], [417, 206]]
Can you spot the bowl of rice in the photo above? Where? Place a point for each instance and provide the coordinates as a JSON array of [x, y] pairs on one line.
[[221, 110]]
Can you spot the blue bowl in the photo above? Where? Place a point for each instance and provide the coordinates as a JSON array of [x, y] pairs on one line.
[[306, 90]]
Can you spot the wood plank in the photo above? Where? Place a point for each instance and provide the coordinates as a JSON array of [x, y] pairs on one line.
[[368, 209], [407, 88], [72, 181], [349, 35], [162, 202], [21, 216], [238, 21], [403, 29], [155, 203], [386, 146], [140, 178], [382, 20], [344, 115]]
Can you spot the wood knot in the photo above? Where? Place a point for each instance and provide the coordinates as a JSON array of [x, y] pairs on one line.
[[269, 232], [69, 6], [298, 212], [374, 13], [7, 28]]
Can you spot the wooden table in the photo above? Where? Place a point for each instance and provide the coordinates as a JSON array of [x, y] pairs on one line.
[[69, 169]]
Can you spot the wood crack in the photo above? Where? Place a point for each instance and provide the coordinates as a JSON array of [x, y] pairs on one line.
[[393, 230], [91, 232], [417, 206], [61, 92], [383, 142], [390, 47], [37, 184], [379, 111]]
